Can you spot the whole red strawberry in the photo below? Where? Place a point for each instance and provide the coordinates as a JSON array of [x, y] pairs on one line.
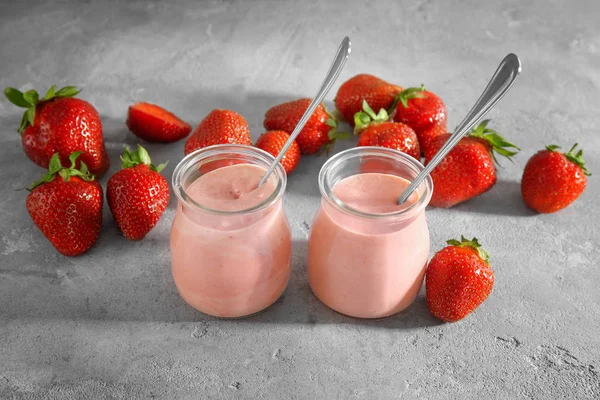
[[468, 170], [155, 124], [553, 180], [219, 127], [418, 108], [138, 194], [58, 122], [273, 141], [364, 87], [320, 132], [66, 206], [458, 280], [376, 130]]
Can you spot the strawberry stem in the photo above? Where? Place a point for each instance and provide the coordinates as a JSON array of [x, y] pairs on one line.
[[333, 134], [498, 143], [366, 117], [474, 244], [140, 156], [55, 168], [574, 157], [405, 95], [30, 99]]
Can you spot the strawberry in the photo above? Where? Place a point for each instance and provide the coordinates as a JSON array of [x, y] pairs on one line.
[[272, 142], [66, 206], [418, 108], [138, 194], [458, 280], [58, 122], [155, 124], [553, 180], [219, 127], [376, 130], [364, 87], [320, 132], [468, 170], [428, 135]]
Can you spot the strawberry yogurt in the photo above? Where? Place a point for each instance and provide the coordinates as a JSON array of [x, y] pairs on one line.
[[366, 254], [230, 241]]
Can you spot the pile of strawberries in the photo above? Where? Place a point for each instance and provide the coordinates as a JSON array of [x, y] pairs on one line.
[[64, 134]]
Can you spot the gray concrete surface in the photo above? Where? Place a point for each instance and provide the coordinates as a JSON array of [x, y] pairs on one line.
[[110, 325]]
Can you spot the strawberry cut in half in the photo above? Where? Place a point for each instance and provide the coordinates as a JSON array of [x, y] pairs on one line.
[[155, 124]]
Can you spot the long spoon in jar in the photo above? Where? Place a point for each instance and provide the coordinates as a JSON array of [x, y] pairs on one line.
[[498, 86], [334, 71]]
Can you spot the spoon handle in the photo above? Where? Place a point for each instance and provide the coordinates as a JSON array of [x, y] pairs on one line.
[[334, 71], [501, 82]]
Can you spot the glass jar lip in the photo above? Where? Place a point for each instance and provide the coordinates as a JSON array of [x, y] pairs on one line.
[[425, 189], [191, 159]]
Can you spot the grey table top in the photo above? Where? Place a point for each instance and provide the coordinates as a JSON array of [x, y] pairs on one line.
[[110, 324]]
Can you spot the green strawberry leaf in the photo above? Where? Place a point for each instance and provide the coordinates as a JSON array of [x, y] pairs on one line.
[[499, 144], [363, 118], [405, 95], [73, 158], [83, 168], [160, 167], [335, 135], [140, 156], [50, 93], [16, 97], [368, 110], [552, 147], [67, 91], [331, 122], [32, 97], [474, 244], [30, 115], [144, 156], [55, 168], [576, 158], [24, 123]]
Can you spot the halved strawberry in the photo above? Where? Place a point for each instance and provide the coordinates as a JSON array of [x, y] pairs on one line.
[[155, 124]]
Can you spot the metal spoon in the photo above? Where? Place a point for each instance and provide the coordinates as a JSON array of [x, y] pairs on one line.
[[501, 82], [334, 71]]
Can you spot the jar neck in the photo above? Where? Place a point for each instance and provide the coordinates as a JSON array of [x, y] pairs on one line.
[[368, 159], [207, 159]]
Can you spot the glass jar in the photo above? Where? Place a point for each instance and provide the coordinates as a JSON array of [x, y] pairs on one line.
[[229, 263], [368, 265]]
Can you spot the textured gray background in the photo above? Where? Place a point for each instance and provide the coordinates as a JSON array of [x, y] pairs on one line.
[[109, 324]]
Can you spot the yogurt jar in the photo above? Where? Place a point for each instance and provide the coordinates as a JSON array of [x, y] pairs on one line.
[[230, 241], [366, 254]]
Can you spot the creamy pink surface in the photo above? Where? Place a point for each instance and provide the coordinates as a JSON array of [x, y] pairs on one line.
[[231, 265], [367, 267]]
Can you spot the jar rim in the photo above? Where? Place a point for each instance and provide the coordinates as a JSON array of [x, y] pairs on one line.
[[425, 189], [191, 160]]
